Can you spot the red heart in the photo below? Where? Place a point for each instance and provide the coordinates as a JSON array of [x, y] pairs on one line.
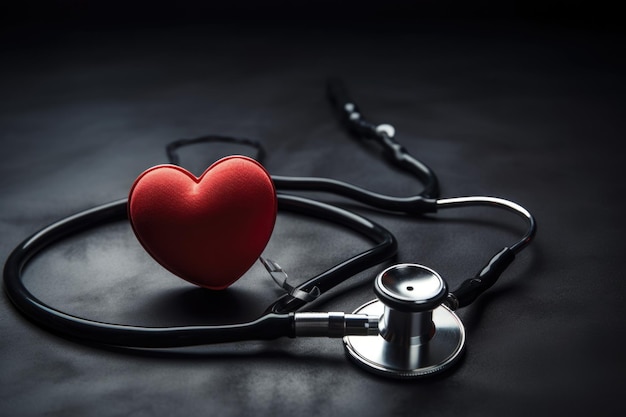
[[207, 230]]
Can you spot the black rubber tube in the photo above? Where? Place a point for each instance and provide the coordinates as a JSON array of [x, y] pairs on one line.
[[269, 326]]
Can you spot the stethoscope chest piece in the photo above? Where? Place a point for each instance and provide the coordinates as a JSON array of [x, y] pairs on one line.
[[418, 336]]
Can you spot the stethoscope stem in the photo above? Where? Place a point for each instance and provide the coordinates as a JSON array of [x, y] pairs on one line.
[[334, 324]]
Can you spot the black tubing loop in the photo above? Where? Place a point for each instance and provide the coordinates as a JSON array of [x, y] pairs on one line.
[[264, 328], [268, 326], [171, 149]]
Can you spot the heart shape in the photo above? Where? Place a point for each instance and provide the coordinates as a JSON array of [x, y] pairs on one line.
[[208, 230]]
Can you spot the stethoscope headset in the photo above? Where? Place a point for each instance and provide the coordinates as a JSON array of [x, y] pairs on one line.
[[409, 331]]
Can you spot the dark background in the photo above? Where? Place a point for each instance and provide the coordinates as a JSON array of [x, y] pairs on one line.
[[520, 100]]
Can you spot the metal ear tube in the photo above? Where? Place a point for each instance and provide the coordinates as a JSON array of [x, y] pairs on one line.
[[418, 335]]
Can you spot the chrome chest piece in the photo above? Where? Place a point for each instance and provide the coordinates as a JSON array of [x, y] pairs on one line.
[[418, 336]]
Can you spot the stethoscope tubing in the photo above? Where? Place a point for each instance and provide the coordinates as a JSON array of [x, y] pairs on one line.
[[276, 322], [269, 326], [278, 319]]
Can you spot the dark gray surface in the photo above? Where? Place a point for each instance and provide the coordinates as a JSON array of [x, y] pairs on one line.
[[531, 114]]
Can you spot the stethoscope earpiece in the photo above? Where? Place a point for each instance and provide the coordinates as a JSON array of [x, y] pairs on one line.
[[418, 335]]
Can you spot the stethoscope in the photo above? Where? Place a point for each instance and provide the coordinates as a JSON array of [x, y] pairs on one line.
[[409, 331]]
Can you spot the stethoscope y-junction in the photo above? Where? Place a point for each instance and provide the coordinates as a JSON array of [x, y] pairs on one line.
[[409, 331]]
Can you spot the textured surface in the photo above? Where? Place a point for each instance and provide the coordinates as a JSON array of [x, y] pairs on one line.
[[514, 110], [208, 230]]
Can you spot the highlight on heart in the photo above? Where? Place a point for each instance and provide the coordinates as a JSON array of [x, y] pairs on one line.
[[208, 230]]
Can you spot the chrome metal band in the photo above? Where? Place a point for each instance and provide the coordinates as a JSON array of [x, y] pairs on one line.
[[334, 324]]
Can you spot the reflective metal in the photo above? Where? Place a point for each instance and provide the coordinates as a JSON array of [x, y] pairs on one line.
[[409, 292], [401, 360], [499, 203], [334, 324], [387, 129], [413, 286]]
